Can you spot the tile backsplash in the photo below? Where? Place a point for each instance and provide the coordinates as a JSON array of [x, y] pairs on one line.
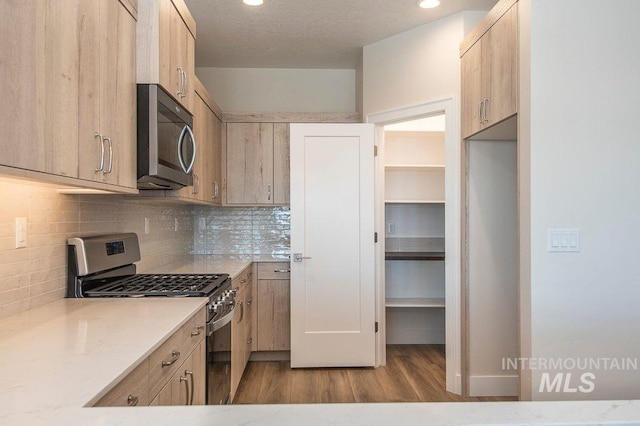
[[35, 275], [241, 230]]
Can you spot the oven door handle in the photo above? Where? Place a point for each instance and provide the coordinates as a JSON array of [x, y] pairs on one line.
[[216, 325]]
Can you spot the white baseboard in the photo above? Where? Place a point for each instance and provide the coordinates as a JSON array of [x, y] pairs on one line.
[[494, 386]]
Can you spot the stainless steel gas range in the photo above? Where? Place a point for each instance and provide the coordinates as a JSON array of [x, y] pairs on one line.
[[104, 266]]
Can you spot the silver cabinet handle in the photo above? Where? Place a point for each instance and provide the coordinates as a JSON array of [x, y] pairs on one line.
[[249, 340], [181, 81], [132, 400], [196, 184], [101, 138], [241, 312], [216, 190], [298, 257], [249, 302], [175, 355], [197, 331], [284, 271], [185, 87], [190, 373], [242, 281], [269, 192], [186, 386], [480, 111], [110, 168], [486, 108]]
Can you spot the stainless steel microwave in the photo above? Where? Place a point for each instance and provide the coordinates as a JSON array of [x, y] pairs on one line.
[[166, 145]]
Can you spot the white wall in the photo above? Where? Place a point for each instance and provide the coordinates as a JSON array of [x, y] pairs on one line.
[[417, 66], [585, 157], [492, 294], [280, 90]]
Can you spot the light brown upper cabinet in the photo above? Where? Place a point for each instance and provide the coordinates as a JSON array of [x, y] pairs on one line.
[[490, 72], [166, 35], [107, 93], [257, 163], [68, 70]]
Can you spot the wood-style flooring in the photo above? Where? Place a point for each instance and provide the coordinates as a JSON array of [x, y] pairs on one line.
[[414, 373]]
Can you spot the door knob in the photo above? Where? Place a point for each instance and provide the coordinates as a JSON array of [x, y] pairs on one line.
[[298, 257]]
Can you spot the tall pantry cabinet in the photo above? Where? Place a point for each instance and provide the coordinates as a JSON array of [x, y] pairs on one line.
[[414, 217]]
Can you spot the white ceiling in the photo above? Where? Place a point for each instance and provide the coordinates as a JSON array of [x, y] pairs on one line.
[[305, 33]]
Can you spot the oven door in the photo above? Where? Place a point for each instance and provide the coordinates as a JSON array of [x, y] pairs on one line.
[[219, 360]]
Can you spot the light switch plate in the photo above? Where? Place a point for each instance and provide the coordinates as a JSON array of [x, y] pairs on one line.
[[21, 232], [563, 240]]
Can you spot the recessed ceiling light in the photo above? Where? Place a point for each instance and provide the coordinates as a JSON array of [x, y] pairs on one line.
[[252, 2], [429, 4]]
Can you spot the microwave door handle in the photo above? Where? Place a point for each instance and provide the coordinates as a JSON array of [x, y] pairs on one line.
[[180, 143], [193, 143]]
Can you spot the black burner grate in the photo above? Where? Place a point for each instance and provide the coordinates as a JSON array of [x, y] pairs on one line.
[[160, 285]]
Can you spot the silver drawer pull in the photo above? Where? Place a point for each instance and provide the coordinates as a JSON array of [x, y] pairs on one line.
[[283, 271], [175, 355], [197, 331], [132, 400], [243, 281]]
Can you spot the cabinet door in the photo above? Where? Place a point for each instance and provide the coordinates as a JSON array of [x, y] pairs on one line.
[[24, 36], [500, 54], [189, 68], [118, 92], [281, 163], [199, 377], [471, 89], [216, 158], [273, 310], [178, 54], [177, 391], [249, 163], [248, 328], [237, 343], [106, 102]]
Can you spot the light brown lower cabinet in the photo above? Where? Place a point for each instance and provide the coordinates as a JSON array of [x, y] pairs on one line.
[[273, 307], [241, 330], [188, 385], [132, 390], [174, 374]]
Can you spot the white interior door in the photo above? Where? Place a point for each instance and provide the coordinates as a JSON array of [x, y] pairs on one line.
[[332, 228]]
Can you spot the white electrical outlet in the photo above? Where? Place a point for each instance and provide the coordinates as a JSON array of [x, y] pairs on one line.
[[391, 227], [21, 232], [202, 223], [175, 224], [146, 225], [563, 240]]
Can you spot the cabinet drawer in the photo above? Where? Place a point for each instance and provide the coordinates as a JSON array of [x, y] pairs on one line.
[[177, 349], [274, 271], [243, 279], [132, 390]]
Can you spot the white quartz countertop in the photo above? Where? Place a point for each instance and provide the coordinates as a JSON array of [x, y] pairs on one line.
[[213, 264], [61, 357]]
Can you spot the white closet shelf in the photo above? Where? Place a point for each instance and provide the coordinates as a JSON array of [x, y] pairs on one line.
[[415, 302], [414, 248], [414, 201], [405, 167]]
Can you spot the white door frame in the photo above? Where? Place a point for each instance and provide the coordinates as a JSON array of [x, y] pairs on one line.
[[453, 261]]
